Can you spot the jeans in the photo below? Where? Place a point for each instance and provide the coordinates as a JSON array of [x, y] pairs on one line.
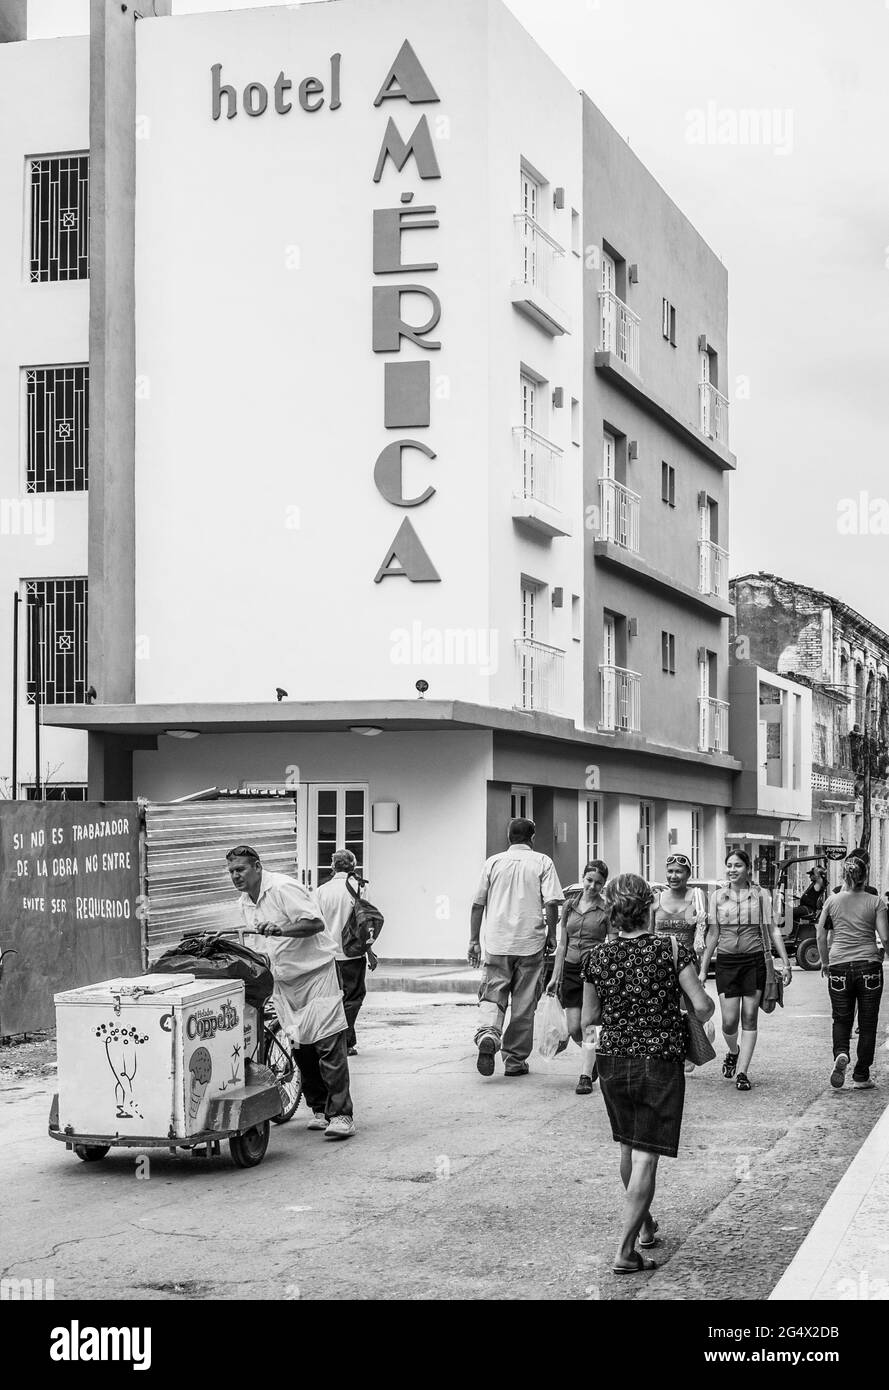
[[352, 975], [512, 981], [324, 1067], [859, 982]]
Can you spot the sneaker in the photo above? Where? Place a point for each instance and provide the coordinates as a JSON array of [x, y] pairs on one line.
[[584, 1086], [318, 1120], [867, 1085], [838, 1075], [729, 1062], [487, 1049], [340, 1127], [351, 1051], [516, 1069], [741, 1082]]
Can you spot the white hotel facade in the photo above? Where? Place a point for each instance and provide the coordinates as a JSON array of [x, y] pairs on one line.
[[401, 368]]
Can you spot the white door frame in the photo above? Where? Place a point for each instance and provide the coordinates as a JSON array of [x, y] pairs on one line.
[[307, 825]]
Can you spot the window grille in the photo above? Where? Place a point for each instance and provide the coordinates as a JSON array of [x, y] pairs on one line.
[[56, 791], [58, 428], [57, 640], [60, 218]]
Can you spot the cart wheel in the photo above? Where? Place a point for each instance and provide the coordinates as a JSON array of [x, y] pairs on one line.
[[249, 1148], [91, 1153], [281, 1059], [808, 955]]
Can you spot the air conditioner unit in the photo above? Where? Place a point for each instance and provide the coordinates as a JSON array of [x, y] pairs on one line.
[[634, 274], [673, 837], [558, 397], [633, 450], [558, 198], [558, 598], [632, 627]]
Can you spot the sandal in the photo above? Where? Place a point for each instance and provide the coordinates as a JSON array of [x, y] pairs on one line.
[[741, 1082], [640, 1266], [655, 1239]]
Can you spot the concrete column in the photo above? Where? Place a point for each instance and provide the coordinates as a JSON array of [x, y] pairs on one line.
[[610, 838], [660, 846], [13, 21], [110, 769]]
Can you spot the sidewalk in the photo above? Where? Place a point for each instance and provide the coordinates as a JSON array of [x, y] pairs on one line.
[[846, 1253], [445, 977]]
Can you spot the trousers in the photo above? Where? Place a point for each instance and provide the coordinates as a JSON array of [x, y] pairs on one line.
[[324, 1067], [353, 976], [856, 984], [511, 982]]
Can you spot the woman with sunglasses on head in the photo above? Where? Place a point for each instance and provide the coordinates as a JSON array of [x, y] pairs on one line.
[[739, 914], [681, 912], [584, 925]]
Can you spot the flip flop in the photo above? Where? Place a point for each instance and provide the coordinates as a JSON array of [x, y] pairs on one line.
[[641, 1266], [650, 1244]]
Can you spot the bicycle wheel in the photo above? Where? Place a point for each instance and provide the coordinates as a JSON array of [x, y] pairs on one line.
[[280, 1058]]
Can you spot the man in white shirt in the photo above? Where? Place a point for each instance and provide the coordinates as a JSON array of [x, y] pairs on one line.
[[336, 905], [307, 998], [518, 896]]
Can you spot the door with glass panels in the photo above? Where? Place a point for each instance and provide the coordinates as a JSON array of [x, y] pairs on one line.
[[336, 818], [529, 194], [529, 425], [608, 309]]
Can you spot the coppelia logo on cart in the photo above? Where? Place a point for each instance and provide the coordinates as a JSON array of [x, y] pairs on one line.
[[206, 1023]]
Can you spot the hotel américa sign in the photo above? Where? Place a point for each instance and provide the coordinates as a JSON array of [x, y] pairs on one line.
[[406, 383]]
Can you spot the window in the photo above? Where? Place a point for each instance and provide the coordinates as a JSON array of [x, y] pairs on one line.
[[576, 244], [645, 816], [60, 218], [668, 321], [590, 829], [668, 653], [575, 420], [668, 484], [521, 803], [57, 619], [695, 847], [58, 428], [576, 632], [57, 791]]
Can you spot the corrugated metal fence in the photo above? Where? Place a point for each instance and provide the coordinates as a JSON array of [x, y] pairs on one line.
[[188, 885]]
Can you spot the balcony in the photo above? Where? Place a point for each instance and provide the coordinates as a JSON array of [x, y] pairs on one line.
[[712, 569], [713, 726], [619, 514], [536, 288], [541, 673], [537, 490], [714, 413], [618, 330], [621, 693]]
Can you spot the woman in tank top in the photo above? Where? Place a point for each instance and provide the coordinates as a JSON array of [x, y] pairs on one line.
[[584, 925], [738, 913], [681, 912]]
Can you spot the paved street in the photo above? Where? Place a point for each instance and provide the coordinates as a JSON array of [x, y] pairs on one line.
[[455, 1187]]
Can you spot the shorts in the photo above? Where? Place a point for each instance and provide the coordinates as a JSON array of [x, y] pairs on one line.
[[644, 1097], [571, 991], [737, 975]]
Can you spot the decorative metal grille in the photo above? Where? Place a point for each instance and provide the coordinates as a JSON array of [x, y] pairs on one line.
[[60, 218], [57, 640], [58, 428]]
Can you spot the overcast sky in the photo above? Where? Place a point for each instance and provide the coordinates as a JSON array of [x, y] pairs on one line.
[[791, 216]]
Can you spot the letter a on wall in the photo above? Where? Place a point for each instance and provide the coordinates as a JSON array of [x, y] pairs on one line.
[[407, 557], [406, 78]]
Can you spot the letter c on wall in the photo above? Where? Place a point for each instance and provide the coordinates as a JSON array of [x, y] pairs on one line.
[[388, 475]]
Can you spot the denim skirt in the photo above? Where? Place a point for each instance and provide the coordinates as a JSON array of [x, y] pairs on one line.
[[644, 1097]]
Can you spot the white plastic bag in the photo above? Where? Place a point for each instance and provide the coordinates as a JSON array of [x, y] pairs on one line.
[[550, 1026]]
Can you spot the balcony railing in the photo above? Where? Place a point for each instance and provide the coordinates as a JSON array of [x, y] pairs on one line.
[[538, 467], [619, 514], [541, 673], [618, 329], [712, 569], [714, 413], [538, 255], [713, 735], [621, 699]]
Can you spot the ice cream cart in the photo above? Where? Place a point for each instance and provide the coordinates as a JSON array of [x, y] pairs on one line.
[[158, 1061]]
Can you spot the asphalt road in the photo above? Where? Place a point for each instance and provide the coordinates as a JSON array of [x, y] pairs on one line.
[[454, 1186]]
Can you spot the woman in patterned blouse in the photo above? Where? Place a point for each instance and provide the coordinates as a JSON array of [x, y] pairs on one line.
[[632, 988]]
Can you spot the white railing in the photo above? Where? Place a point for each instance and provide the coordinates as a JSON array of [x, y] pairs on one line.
[[714, 413], [538, 254], [538, 467], [618, 329], [621, 699], [712, 569], [713, 736], [619, 514], [541, 673]]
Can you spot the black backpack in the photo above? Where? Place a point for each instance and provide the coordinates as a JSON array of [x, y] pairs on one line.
[[364, 925]]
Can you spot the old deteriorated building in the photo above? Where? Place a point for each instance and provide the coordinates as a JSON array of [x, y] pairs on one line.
[[821, 644], [352, 348]]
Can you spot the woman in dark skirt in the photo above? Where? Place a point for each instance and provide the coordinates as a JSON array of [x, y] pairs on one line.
[[739, 916], [632, 988]]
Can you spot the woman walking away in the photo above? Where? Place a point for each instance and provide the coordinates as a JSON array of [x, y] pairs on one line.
[[854, 971], [584, 925], [633, 988], [681, 912], [740, 918]]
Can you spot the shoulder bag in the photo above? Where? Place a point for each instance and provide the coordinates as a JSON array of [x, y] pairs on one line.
[[698, 1047], [773, 994]]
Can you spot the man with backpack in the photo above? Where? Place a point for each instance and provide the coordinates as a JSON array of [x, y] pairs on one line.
[[337, 899]]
